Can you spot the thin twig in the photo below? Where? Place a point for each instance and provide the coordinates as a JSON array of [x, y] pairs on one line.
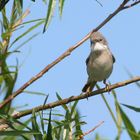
[[60, 58], [86, 133], [99, 3], [131, 5]]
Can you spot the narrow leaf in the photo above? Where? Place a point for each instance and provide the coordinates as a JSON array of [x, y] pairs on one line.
[[26, 41], [59, 98], [3, 4], [35, 92], [131, 76], [41, 115], [119, 118], [26, 32], [128, 124], [132, 107], [5, 20], [17, 133], [73, 107], [61, 5], [49, 131], [35, 127], [50, 11]]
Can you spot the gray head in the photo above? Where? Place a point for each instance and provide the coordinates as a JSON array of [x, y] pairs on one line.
[[98, 37]]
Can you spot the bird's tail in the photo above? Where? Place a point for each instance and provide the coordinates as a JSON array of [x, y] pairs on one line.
[[89, 86]]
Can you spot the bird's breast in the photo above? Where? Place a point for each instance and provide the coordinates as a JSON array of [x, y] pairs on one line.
[[100, 65]]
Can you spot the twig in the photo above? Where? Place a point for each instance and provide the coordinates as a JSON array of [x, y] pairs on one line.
[[74, 98], [86, 133], [60, 58], [131, 5], [99, 3]]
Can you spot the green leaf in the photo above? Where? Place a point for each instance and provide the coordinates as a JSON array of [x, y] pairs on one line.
[[17, 133], [73, 107], [26, 41], [78, 124], [32, 21], [61, 5], [131, 76], [34, 122], [19, 6], [50, 11], [5, 20], [129, 125], [3, 3], [119, 118], [41, 116], [59, 98], [36, 127], [45, 1], [132, 107], [24, 125], [45, 101], [42, 122], [10, 80], [34, 92], [5, 34], [26, 32], [49, 131], [16, 11], [98, 137]]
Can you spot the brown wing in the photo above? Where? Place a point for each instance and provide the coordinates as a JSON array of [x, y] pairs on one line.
[[113, 58], [87, 60]]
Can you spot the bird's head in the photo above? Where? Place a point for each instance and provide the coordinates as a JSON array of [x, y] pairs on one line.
[[97, 37]]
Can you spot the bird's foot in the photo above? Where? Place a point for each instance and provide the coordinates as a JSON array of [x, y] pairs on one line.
[[107, 86], [88, 92]]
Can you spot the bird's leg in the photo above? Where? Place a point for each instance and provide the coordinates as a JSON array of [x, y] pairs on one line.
[[88, 91], [106, 86]]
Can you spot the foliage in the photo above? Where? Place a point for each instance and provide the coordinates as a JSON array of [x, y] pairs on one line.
[[43, 125]]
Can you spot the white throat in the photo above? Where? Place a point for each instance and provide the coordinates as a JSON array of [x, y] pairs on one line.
[[98, 47]]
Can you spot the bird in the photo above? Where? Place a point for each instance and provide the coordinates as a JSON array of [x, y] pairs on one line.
[[99, 62]]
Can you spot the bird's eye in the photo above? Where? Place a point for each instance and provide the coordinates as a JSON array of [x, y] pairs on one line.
[[91, 42], [100, 39]]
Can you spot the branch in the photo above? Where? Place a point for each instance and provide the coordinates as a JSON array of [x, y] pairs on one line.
[[4, 123], [74, 98], [99, 3], [60, 58], [86, 133], [131, 5]]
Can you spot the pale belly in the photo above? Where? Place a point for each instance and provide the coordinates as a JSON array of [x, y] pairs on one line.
[[100, 68]]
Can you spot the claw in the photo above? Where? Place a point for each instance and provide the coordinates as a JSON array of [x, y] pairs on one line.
[[107, 86], [88, 92]]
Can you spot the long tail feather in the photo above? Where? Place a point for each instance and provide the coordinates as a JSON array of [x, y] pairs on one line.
[[89, 86]]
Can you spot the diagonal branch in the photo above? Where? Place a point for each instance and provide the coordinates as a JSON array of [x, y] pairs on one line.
[[74, 98], [93, 129], [60, 58]]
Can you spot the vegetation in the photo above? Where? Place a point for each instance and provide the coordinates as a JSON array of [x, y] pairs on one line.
[[45, 123]]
